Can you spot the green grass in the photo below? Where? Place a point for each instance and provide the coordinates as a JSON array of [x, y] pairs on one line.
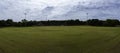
[[60, 39]]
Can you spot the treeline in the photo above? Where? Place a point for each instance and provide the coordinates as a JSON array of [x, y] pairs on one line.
[[91, 22]]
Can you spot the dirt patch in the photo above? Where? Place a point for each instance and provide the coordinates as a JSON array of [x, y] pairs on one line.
[[2, 50], [52, 30]]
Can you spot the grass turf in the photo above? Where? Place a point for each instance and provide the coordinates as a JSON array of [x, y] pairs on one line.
[[60, 39]]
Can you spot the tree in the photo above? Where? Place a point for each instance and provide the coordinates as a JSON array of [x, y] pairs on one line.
[[24, 22], [9, 22], [2, 23], [111, 22], [94, 22]]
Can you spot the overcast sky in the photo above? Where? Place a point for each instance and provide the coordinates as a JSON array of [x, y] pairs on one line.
[[59, 9]]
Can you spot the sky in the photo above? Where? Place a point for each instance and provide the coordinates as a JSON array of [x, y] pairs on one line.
[[59, 9]]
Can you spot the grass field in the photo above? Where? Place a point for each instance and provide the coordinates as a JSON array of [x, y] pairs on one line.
[[60, 39]]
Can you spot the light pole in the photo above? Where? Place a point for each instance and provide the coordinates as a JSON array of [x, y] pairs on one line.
[[87, 16], [25, 15], [26, 12]]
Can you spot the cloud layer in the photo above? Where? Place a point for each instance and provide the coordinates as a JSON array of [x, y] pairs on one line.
[[59, 9]]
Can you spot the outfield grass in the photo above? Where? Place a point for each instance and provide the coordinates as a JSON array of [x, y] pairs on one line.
[[60, 39]]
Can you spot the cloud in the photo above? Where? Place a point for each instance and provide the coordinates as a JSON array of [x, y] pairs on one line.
[[59, 9], [100, 9]]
